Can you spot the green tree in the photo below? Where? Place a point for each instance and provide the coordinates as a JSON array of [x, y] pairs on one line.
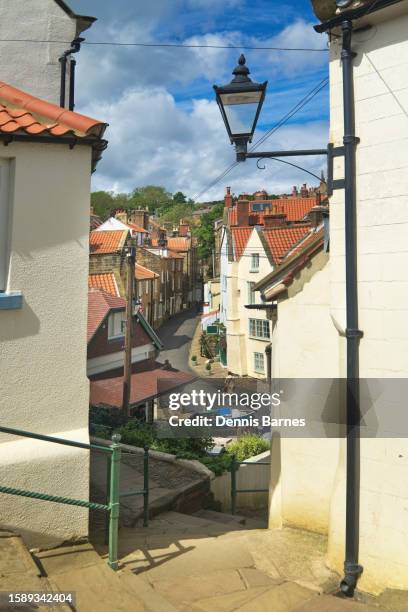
[[152, 197], [177, 212], [205, 231], [179, 198]]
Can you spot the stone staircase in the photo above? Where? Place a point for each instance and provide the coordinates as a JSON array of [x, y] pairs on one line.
[[205, 562]]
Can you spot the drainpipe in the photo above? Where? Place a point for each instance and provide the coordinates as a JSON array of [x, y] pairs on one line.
[[352, 569], [75, 47], [268, 352]]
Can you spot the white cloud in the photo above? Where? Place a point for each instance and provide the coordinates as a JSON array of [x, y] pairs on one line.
[[152, 141]]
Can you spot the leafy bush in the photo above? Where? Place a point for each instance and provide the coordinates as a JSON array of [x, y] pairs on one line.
[[248, 446], [218, 464]]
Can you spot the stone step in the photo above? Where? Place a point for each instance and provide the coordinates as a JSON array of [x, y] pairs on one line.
[[228, 519]]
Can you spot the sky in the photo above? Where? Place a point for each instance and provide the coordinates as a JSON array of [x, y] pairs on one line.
[[164, 124]]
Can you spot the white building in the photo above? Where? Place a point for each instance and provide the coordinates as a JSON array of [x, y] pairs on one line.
[[44, 228], [35, 66], [309, 478]]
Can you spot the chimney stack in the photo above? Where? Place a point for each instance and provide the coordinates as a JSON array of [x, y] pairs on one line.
[[294, 192], [275, 220], [228, 198], [317, 214], [242, 212]]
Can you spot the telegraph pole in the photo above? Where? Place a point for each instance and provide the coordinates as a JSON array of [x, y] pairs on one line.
[[127, 369]]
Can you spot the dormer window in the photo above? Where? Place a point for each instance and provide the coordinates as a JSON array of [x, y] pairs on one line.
[[116, 325]]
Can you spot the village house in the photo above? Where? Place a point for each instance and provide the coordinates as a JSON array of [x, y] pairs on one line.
[[107, 267], [258, 233], [44, 229], [106, 334], [308, 479]]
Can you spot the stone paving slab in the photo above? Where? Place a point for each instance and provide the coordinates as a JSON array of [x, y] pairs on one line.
[[15, 558], [330, 603]]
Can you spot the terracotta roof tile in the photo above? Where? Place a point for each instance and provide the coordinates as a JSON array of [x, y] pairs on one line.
[[176, 244], [281, 240], [20, 112], [102, 242], [144, 385], [142, 273], [295, 209], [105, 281], [137, 228], [99, 304], [240, 237]]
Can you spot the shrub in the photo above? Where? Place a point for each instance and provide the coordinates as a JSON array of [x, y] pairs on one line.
[[248, 446], [194, 358]]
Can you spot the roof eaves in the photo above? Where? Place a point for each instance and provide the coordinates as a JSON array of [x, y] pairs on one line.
[[286, 266]]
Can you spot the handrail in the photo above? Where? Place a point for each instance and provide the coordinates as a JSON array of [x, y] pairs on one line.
[[112, 505], [43, 438], [233, 469]]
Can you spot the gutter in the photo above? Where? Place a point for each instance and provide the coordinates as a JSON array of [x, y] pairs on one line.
[[98, 144], [353, 14]]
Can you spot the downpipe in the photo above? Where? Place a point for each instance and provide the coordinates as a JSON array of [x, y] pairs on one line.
[[352, 568], [63, 60]]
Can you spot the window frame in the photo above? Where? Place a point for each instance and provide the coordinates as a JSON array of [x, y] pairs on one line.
[[254, 258], [258, 327], [257, 369], [111, 323]]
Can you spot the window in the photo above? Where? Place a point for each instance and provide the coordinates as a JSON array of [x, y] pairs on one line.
[[4, 220], [259, 363], [251, 293], [116, 325], [259, 328], [255, 262]]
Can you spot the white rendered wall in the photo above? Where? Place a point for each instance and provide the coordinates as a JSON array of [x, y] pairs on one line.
[[304, 345], [381, 92], [34, 67], [241, 361], [44, 387]]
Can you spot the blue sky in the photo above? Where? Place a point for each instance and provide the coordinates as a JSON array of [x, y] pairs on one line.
[[165, 127]]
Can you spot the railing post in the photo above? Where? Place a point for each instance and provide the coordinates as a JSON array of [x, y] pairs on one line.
[[114, 502], [233, 469], [107, 498], [146, 487]]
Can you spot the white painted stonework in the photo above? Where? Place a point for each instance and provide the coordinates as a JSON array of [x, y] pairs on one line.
[[308, 484], [44, 387], [241, 346], [34, 67]]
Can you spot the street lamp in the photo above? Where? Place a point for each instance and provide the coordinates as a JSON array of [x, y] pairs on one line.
[[240, 103]]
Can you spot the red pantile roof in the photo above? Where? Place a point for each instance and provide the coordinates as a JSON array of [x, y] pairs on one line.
[[240, 237], [21, 113], [99, 304], [137, 228], [295, 209], [142, 273], [281, 240], [106, 282], [282, 276], [176, 244], [107, 241], [145, 385]]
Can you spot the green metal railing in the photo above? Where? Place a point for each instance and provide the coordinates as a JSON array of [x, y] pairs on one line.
[[112, 505], [234, 467]]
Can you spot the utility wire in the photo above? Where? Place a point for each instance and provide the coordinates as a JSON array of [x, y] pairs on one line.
[[295, 109], [175, 45]]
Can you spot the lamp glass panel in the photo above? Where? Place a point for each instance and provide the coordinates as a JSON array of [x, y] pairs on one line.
[[240, 110]]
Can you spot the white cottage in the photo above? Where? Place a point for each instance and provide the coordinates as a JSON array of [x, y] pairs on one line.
[[46, 158]]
